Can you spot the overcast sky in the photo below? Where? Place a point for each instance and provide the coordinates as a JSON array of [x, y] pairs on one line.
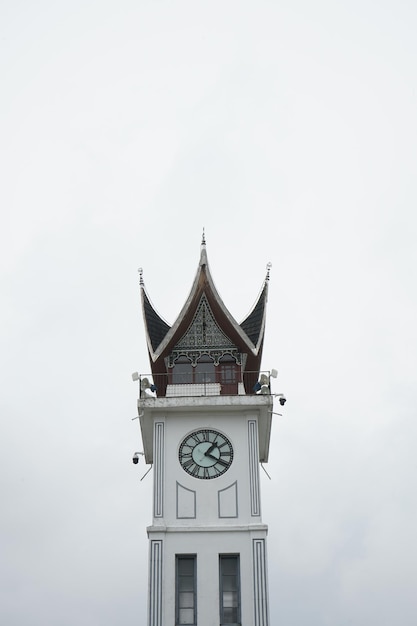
[[287, 129]]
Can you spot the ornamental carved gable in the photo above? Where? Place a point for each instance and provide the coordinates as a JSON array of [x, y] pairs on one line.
[[203, 332]]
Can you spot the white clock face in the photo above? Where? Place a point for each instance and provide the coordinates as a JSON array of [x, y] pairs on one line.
[[205, 454]]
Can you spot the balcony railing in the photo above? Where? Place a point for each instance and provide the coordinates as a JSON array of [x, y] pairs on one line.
[[205, 384]]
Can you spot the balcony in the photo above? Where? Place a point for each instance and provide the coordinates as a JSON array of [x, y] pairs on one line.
[[190, 400], [203, 384]]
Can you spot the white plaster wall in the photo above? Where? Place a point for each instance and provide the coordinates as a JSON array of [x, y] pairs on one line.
[[206, 535], [235, 427], [207, 547]]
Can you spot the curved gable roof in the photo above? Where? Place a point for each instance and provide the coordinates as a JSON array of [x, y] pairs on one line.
[[248, 336], [156, 327], [254, 323]]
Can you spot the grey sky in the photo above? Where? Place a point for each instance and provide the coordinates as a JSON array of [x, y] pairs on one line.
[[288, 130]]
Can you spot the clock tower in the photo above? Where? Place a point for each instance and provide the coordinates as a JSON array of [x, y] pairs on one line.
[[205, 418]]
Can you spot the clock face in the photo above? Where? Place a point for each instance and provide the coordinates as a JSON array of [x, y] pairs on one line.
[[205, 454]]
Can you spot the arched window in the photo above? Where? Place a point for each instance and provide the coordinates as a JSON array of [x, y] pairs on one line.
[[182, 372], [204, 370]]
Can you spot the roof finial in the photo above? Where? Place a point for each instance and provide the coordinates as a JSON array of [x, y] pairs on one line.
[[140, 270], [203, 238], [268, 269]]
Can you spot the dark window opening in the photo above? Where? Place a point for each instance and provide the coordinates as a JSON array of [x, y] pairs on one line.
[[204, 370], [229, 590], [185, 597], [182, 372], [228, 375]]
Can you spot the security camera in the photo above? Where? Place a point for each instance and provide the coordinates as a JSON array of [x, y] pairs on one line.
[[135, 458], [282, 400]]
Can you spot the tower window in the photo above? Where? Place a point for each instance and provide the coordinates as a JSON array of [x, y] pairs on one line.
[[182, 372], [229, 590], [204, 370], [228, 370], [228, 375], [185, 583]]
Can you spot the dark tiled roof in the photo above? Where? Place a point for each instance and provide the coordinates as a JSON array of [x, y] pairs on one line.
[[157, 328], [252, 325]]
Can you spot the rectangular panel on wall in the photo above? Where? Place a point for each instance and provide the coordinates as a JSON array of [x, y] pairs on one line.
[[155, 583], [227, 501], [186, 500], [255, 503], [260, 582], [159, 456]]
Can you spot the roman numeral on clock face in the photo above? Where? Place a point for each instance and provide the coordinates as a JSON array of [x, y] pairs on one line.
[[194, 471], [206, 454]]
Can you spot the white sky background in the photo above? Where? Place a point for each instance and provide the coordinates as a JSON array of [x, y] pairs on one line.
[[288, 130]]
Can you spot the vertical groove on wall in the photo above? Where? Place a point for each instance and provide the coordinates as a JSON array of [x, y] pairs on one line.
[[155, 583], [158, 504], [253, 468], [260, 582]]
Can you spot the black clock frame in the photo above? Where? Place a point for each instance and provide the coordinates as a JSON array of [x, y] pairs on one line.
[[210, 446]]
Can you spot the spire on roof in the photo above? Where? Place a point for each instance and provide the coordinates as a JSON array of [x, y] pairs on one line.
[[203, 251], [140, 270], [268, 269]]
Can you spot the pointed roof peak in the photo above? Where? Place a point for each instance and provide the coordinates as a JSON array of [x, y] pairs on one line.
[[141, 283], [248, 335], [203, 251], [268, 269]]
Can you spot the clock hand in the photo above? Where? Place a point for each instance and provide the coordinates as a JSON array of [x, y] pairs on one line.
[[225, 463], [207, 452]]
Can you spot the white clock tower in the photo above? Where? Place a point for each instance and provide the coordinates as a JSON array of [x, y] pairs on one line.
[[205, 417]]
